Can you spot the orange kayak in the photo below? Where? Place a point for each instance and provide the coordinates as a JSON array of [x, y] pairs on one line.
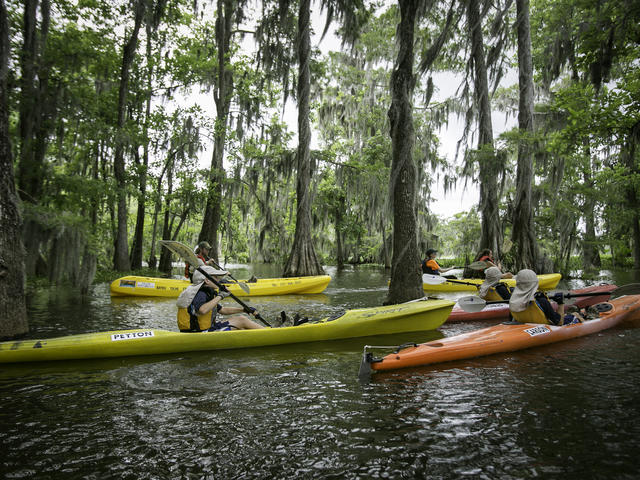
[[506, 337], [500, 311]]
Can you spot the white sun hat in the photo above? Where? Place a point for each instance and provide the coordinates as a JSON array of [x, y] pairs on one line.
[[526, 287]]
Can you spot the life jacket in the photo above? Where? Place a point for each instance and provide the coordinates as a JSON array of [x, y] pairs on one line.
[[532, 314], [188, 322], [426, 267], [493, 296]]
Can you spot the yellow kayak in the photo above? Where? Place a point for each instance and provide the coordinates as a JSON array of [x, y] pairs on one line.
[[407, 317], [547, 281], [172, 287]]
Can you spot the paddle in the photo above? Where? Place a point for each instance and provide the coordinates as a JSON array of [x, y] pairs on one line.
[[475, 266], [438, 280], [475, 304], [188, 256], [246, 307], [242, 285], [479, 265]]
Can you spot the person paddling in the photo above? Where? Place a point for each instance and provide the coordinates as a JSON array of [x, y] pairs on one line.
[[431, 267], [202, 252], [527, 305], [199, 305], [492, 289], [486, 256]]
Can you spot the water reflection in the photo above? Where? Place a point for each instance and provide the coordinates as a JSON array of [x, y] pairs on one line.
[[562, 411]]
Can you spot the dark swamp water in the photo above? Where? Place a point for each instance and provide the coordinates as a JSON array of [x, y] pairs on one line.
[[566, 411]]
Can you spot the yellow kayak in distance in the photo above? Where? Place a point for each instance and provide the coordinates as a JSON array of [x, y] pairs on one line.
[[417, 316], [133, 285], [547, 281]]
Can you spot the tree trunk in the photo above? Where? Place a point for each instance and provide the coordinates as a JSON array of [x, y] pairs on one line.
[[488, 171], [138, 237], [629, 158], [635, 224], [13, 309], [524, 251], [121, 254], [222, 94], [165, 255], [33, 92], [303, 259], [153, 260], [339, 219], [406, 282], [30, 165], [590, 252]]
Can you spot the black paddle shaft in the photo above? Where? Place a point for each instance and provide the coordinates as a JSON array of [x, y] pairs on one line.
[[246, 307], [617, 292], [220, 268]]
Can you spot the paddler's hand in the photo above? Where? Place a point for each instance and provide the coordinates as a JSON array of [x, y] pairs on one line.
[[223, 294], [252, 311], [558, 298]]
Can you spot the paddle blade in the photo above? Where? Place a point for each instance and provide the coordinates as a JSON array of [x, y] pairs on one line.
[[472, 303], [478, 265], [364, 373], [630, 289], [433, 279], [244, 287], [182, 251]]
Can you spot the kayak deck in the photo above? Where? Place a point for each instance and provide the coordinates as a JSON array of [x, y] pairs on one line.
[[506, 337], [133, 285], [389, 319], [547, 281]]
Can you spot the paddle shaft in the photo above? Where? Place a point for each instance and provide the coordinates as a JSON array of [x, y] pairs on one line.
[[473, 266], [240, 302], [588, 294], [570, 295], [190, 257], [461, 282], [228, 274], [439, 280]]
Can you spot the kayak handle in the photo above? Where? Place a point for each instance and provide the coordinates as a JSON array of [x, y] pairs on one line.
[[405, 345]]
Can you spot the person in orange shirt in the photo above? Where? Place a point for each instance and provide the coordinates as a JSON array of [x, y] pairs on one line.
[[430, 266]]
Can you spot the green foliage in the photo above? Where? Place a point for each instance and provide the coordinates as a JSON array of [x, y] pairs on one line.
[[459, 235], [587, 155]]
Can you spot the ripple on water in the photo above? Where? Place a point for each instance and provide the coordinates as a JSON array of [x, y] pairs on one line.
[[565, 411]]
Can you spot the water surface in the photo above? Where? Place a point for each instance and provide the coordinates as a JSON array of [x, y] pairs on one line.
[[563, 411]]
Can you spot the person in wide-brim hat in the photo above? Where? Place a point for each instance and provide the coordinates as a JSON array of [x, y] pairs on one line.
[[528, 305], [189, 293], [492, 284], [204, 297]]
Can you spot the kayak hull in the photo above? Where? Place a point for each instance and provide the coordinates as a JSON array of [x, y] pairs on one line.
[[389, 319], [547, 281], [507, 338], [500, 311], [133, 285]]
